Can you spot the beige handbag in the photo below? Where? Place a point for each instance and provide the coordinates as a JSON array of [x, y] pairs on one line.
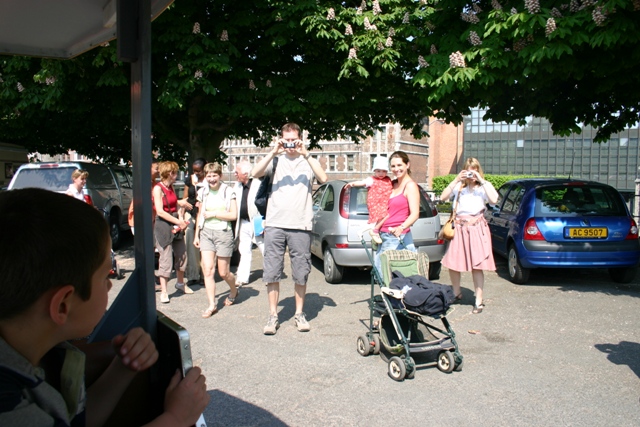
[[448, 229]]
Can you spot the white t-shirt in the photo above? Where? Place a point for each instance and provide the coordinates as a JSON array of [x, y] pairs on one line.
[[290, 205], [471, 201], [73, 191]]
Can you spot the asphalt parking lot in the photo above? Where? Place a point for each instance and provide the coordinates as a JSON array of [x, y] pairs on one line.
[[562, 350]]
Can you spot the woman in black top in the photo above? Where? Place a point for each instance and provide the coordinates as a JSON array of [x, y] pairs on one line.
[[191, 186]]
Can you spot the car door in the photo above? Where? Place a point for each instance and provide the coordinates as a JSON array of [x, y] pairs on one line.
[[503, 214], [316, 241]]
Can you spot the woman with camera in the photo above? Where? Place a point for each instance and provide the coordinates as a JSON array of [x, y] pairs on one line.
[[470, 248]]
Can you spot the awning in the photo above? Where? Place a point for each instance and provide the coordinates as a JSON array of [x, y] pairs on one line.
[[59, 28]]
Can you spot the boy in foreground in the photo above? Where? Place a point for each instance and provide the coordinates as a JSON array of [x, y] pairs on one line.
[[55, 281]]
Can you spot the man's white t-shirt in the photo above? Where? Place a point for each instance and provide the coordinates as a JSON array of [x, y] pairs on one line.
[[290, 204]]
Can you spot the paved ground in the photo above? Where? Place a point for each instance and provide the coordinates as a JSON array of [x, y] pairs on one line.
[[561, 350]]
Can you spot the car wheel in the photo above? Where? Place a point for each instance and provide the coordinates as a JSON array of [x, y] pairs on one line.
[[114, 230], [517, 273], [332, 271], [622, 275], [434, 270]]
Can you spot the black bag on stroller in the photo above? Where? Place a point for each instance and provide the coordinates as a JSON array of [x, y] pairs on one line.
[[422, 295]]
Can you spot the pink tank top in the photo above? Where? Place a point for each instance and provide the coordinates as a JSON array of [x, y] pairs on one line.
[[398, 212]]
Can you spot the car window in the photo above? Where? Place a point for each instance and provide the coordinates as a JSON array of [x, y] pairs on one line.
[[427, 208], [513, 199], [587, 200], [129, 176], [328, 199], [54, 179], [317, 196], [360, 200], [502, 192], [99, 176], [122, 178]]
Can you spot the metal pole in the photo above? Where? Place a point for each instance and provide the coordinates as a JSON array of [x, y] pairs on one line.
[[141, 156]]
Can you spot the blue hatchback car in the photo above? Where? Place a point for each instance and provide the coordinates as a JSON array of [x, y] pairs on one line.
[[563, 223]]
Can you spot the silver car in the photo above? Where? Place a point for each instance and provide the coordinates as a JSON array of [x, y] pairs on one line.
[[339, 215]]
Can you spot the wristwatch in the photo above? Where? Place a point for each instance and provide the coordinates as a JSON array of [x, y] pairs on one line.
[[306, 156]]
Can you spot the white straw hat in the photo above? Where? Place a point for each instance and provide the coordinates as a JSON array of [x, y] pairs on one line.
[[381, 163]]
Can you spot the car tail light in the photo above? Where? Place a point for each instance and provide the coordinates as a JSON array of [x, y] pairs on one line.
[[531, 231], [48, 166], [345, 196], [342, 245], [633, 231], [88, 200]]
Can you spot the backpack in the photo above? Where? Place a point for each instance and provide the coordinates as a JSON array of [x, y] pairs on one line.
[[422, 295], [264, 191]]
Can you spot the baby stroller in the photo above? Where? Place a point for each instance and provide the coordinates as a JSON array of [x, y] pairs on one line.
[[402, 334]]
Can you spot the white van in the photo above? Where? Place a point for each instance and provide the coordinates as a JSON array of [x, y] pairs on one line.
[[11, 157]]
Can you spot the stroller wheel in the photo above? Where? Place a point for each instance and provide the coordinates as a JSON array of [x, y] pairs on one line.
[[397, 370], [446, 362], [376, 343], [363, 346], [410, 364]]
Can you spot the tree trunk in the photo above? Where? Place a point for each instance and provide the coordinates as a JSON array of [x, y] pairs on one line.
[[205, 137]]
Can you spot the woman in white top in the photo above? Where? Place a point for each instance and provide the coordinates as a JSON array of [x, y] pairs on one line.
[[79, 178], [470, 249], [214, 236]]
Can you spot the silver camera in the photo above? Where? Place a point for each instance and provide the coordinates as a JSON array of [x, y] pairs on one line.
[[289, 145], [470, 175]]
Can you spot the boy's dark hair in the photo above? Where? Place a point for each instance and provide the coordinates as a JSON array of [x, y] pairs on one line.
[[49, 240]]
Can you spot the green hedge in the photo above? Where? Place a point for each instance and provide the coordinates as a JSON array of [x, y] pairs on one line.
[[440, 182]]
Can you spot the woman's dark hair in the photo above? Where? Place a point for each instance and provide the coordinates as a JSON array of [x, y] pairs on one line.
[[199, 162], [402, 156]]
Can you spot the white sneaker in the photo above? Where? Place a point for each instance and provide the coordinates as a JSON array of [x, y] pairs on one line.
[[184, 288]]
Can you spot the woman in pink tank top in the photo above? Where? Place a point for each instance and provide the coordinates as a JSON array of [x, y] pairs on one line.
[[403, 207]]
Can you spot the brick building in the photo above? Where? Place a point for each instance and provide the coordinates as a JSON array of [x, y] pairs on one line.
[[346, 159]]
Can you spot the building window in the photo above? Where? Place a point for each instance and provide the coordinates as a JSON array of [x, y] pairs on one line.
[[350, 163], [332, 163]]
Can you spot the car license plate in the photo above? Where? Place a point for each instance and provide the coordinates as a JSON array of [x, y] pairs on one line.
[[588, 233]]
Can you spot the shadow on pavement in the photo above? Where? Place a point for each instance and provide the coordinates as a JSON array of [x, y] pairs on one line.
[[623, 353], [313, 304], [226, 410]]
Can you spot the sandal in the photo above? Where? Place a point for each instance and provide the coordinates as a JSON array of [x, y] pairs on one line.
[[457, 297], [229, 301], [209, 312], [477, 309]]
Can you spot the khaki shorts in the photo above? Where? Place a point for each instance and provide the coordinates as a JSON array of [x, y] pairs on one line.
[[220, 242]]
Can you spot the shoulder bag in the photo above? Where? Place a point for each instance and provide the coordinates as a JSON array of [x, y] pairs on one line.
[[264, 191], [448, 229]]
